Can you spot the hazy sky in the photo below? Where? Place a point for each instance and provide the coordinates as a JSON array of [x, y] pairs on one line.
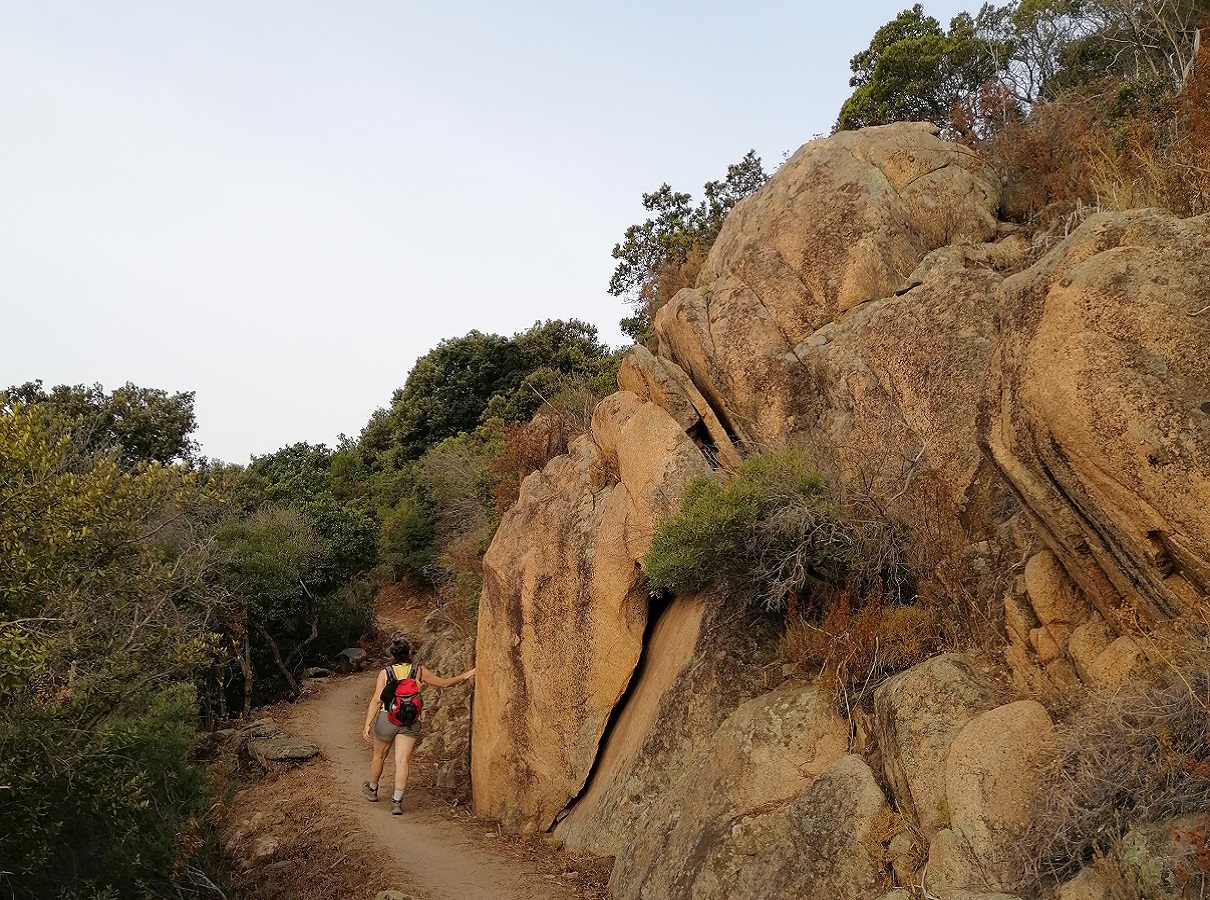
[[281, 205]]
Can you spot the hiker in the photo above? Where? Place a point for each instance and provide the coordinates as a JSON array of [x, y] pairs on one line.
[[395, 716]]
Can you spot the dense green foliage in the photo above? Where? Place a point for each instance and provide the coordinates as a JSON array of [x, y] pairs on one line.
[[663, 254], [146, 424], [133, 595], [775, 532], [104, 620], [992, 68], [914, 70], [465, 381]]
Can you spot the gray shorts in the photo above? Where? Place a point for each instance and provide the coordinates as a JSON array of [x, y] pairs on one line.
[[385, 731]]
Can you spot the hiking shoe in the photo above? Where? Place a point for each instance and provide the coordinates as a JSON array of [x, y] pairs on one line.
[[397, 807], [368, 792]]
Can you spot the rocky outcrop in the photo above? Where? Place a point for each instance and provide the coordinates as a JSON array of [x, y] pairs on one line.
[[1099, 410], [861, 305], [602, 820], [897, 384], [668, 386], [446, 737], [564, 608], [845, 220], [832, 846], [699, 663], [732, 798]]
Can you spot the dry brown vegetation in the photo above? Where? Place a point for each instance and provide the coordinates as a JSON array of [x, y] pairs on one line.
[[1124, 146], [1127, 759]]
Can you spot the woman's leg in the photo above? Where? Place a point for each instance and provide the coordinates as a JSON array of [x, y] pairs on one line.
[[379, 759], [404, 745]]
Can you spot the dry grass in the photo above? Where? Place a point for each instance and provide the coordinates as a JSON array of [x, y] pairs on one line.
[[1133, 757], [528, 447], [673, 275], [1123, 145], [852, 651]]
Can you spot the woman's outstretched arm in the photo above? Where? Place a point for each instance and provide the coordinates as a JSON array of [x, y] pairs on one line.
[[427, 676]]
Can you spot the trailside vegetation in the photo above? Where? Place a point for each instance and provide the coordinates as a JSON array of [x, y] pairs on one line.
[[477, 414], [827, 557], [105, 622]]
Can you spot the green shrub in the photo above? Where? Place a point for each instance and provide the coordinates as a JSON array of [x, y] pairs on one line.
[[783, 538], [99, 800], [777, 533]]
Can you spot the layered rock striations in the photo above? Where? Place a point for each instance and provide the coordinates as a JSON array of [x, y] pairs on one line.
[[866, 302], [1100, 406]]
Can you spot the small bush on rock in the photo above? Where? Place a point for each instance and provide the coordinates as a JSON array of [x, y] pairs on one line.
[[789, 540]]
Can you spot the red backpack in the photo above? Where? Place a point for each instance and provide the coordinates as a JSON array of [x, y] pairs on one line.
[[401, 697]]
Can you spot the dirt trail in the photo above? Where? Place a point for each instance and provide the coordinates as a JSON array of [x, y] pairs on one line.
[[445, 857]]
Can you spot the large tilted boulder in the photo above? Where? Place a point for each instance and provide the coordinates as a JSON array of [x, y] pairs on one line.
[[918, 715], [732, 800], [624, 783], [564, 608], [1099, 409], [700, 662], [846, 220]]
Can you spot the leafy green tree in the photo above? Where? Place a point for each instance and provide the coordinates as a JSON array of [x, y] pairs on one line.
[[143, 424], [662, 254], [307, 477], [452, 387], [406, 541], [105, 620], [265, 563], [914, 70]]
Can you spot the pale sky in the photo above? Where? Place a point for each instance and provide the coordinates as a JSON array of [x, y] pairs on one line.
[[281, 205]]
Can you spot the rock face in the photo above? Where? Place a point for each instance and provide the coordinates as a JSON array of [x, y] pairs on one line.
[[862, 303], [832, 845], [845, 220], [564, 608], [897, 383], [991, 785], [918, 714], [732, 798], [447, 713], [603, 818], [1099, 410]]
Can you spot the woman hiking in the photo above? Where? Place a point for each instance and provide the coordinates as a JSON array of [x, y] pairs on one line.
[[387, 731]]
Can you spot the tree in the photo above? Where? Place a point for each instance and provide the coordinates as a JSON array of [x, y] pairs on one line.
[[265, 562], [144, 424], [105, 621], [451, 388], [659, 256], [1034, 46], [1157, 38], [307, 478], [914, 70]]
